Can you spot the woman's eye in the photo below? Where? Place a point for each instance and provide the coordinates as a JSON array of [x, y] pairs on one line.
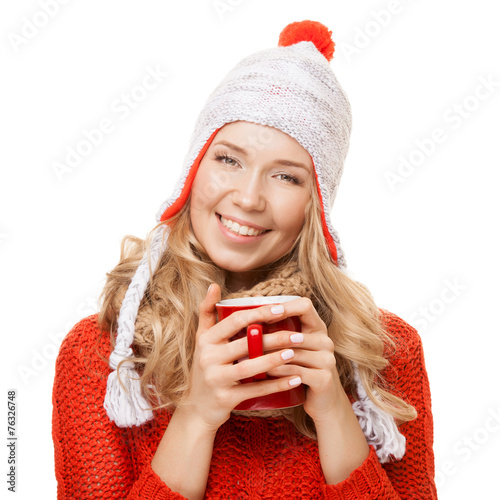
[[288, 178], [226, 159]]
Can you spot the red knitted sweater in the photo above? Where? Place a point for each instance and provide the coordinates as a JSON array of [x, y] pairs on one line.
[[253, 457]]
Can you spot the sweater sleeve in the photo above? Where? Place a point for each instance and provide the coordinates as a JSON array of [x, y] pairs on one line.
[[412, 477], [92, 457]]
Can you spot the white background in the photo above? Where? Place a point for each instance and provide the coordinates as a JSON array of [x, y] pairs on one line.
[[430, 243]]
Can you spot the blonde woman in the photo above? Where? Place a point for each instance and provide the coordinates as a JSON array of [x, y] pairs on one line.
[[145, 393]]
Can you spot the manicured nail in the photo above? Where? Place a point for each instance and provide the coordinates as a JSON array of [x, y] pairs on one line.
[[277, 309], [296, 338], [208, 291], [294, 381], [288, 354]]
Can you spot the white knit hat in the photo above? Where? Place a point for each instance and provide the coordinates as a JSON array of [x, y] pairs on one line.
[[293, 89]]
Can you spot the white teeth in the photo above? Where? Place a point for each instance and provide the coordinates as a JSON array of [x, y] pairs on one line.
[[237, 229]]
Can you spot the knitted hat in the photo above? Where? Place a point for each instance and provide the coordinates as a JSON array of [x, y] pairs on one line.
[[293, 89]]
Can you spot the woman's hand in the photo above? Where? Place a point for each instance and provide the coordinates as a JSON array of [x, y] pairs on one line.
[[314, 360], [215, 387], [341, 443]]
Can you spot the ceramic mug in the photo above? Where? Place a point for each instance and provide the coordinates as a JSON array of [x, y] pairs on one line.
[[254, 334]]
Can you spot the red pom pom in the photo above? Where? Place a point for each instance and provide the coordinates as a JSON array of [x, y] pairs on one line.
[[309, 31]]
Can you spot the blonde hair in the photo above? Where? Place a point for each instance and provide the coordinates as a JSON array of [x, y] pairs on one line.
[[168, 315]]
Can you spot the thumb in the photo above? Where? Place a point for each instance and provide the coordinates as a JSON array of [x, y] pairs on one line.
[[208, 313]]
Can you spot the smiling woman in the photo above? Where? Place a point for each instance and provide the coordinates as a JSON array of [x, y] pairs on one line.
[[254, 210], [146, 393]]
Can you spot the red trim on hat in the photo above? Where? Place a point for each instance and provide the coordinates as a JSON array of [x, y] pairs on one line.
[[181, 200], [329, 239]]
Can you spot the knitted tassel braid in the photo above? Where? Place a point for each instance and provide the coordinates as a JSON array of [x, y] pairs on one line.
[[378, 426], [124, 402]]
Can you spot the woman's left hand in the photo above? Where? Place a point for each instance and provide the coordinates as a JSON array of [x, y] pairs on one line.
[[314, 359], [342, 445]]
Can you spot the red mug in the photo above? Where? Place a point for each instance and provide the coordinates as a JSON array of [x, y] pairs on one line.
[[254, 332]]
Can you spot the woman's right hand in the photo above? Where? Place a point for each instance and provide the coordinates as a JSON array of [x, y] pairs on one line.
[[215, 387]]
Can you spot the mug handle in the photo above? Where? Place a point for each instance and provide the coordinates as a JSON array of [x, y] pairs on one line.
[[255, 346]]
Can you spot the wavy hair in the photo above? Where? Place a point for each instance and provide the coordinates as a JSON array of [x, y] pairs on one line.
[[168, 315]]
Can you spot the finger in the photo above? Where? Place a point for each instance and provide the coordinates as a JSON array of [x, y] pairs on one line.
[[287, 338], [238, 349], [318, 360], [265, 387], [305, 310], [229, 374], [252, 367], [228, 353], [208, 312], [316, 380], [286, 371], [272, 342], [239, 320]]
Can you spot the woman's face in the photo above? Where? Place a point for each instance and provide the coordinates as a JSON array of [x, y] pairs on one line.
[[249, 196]]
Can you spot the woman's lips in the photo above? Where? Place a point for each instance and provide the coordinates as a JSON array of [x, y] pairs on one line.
[[242, 222], [241, 228], [237, 237]]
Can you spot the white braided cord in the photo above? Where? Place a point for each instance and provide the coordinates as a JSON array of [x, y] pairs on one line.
[[124, 402]]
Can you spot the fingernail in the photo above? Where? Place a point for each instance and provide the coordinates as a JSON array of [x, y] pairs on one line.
[[208, 291], [297, 337], [295, 381], [277, 309], [288, 354]]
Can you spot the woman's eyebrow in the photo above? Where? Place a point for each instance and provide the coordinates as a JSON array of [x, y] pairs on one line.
[[286, 163]]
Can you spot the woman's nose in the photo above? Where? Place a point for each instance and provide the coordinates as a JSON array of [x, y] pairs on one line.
[[248, 193]]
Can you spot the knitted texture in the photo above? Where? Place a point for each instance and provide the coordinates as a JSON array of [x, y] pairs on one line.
[[253, 458], [287, 281]]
